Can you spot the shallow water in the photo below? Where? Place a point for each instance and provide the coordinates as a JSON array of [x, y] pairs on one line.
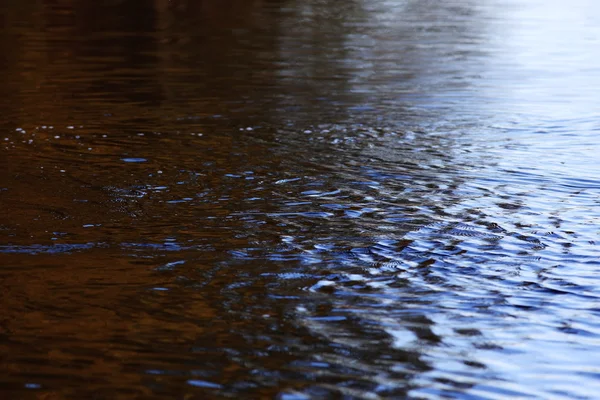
[[285, 199]]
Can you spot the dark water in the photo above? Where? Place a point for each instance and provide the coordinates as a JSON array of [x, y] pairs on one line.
[[300, 199]]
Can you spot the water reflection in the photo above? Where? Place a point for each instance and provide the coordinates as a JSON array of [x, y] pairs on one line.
[[294, 199]]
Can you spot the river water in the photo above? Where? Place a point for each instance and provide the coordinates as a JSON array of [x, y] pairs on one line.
[[300, 199]]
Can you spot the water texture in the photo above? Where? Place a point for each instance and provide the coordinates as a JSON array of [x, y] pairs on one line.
[[300, 199]]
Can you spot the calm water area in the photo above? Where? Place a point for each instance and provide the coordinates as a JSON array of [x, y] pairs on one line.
[[300, 199]]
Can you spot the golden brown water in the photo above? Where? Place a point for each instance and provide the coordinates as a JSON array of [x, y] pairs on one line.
[[295, 200]]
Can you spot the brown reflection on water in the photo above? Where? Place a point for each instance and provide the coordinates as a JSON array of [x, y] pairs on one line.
[[111, 288], [86, 63]]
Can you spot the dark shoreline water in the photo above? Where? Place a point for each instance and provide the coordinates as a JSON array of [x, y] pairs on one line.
[[282, 199]]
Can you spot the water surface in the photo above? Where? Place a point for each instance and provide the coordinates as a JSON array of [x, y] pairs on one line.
[[300, 199]]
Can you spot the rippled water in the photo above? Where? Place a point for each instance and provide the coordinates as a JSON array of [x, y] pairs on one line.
[[300, 199]]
